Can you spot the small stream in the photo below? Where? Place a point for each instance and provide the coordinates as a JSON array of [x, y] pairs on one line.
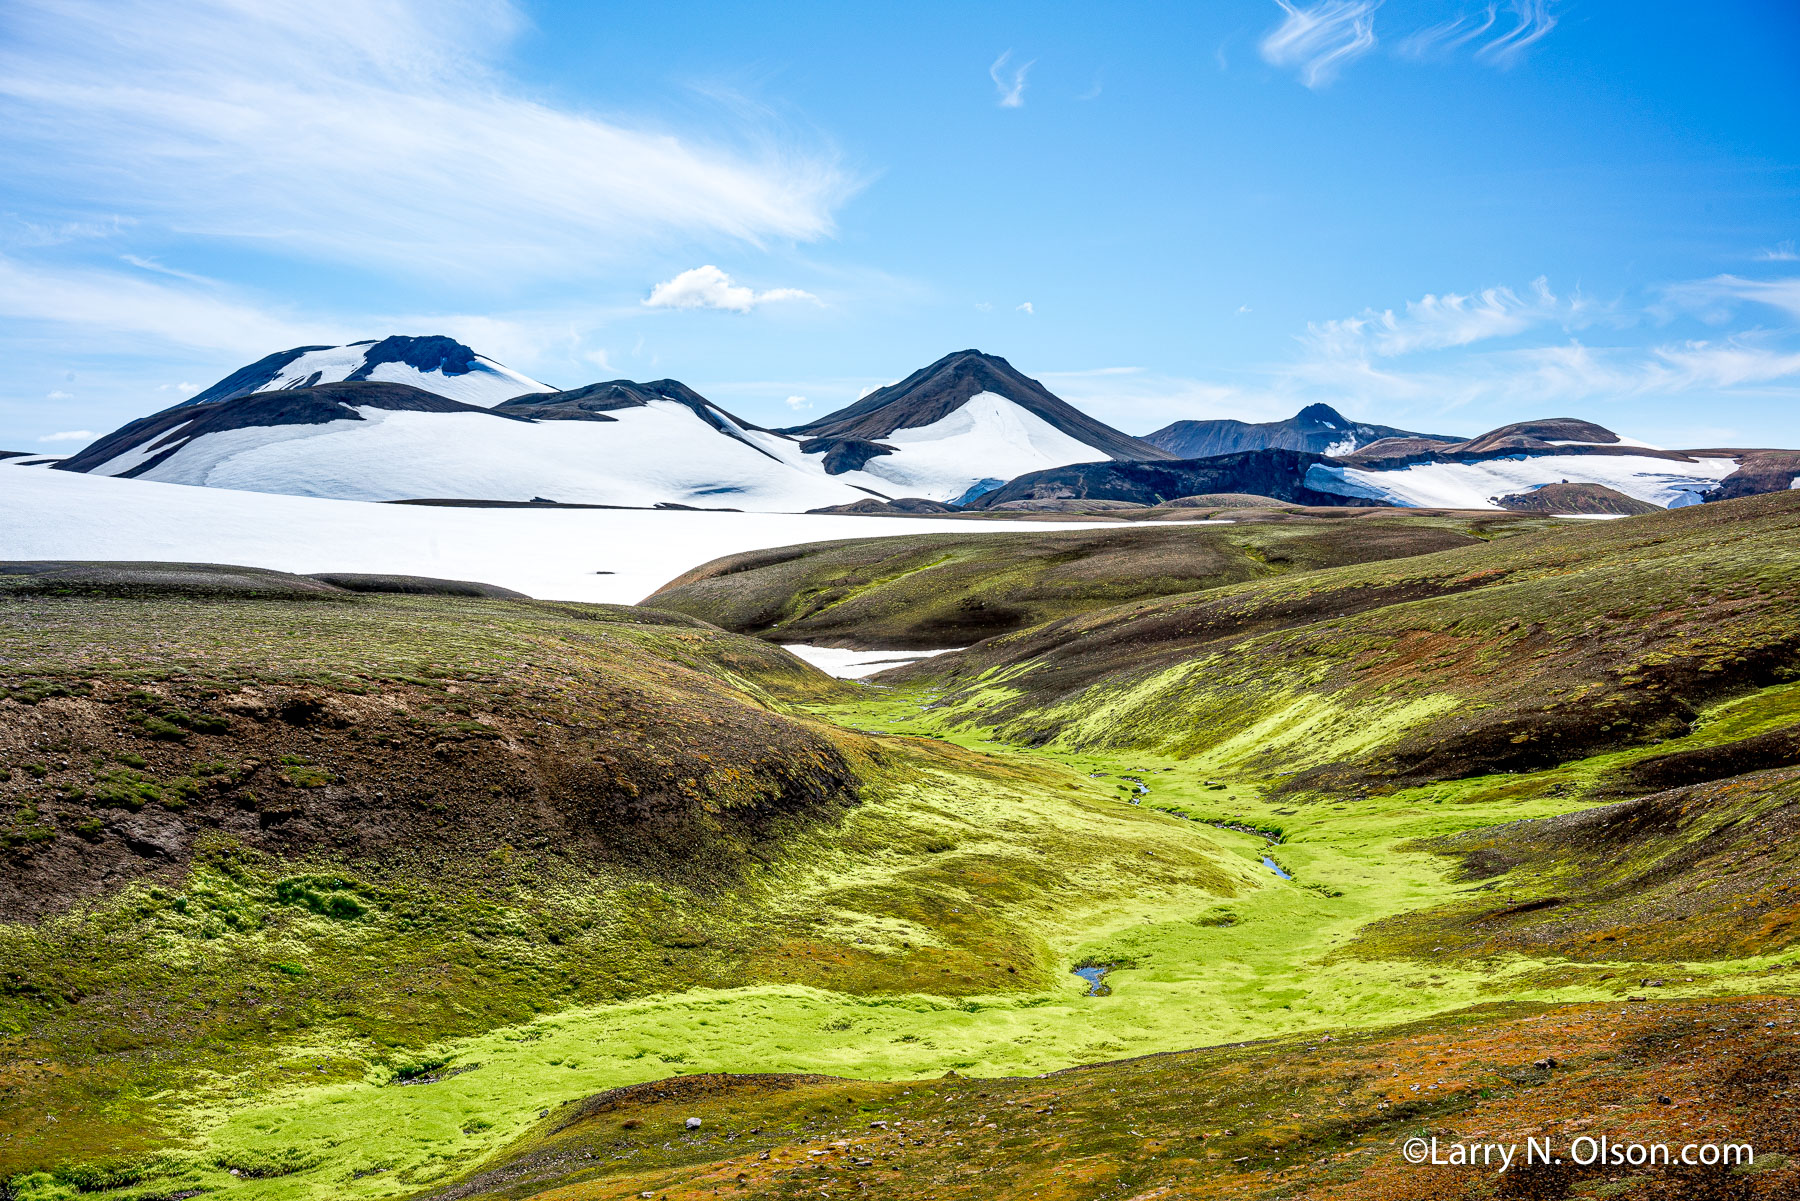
[[1096, 978], [1275, 867]]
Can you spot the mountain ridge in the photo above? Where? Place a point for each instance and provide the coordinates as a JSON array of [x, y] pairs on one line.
[[434, 362], [934, 391], [1317, 428]]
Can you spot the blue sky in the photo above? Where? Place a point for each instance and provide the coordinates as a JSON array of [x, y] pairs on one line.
[[1442, 216]]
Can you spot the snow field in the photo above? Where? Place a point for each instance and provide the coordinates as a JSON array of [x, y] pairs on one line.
[[550, 553]]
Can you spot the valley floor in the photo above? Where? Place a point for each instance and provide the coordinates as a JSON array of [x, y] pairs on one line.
[[1202, 941]]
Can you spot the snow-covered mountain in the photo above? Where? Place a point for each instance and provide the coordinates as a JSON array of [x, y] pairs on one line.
[[1318, 428], [1505, 468], [433, 362], [960, 427], [617, 443], [1515, 459]]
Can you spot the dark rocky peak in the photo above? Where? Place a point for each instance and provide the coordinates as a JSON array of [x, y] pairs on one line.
[[433, 352], [934, 392]]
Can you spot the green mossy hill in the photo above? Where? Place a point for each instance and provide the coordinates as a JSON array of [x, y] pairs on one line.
[[216, 581], [251, 848], [197, 580], [1318, 1116], [1700, 873], [928, 591], [1513, 655], [391, 729], [413, 585]]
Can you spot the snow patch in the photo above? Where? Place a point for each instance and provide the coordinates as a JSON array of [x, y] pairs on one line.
[[854, 665], [1666, 482], [553, 553], [989, 437], [660, 453]]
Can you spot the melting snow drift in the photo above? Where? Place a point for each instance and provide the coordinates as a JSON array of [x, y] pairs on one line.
[[618, 556]]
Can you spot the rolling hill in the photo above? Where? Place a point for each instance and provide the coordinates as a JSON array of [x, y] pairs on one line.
[[928, 591]]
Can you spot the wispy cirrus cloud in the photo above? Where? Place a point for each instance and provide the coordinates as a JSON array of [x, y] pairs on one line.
[[710, 288], [1009, 81], [1781, 252], [119, 306], [1719, 298], [1531, 21], [1442, 320], [1496, 35], [1461, 362], [1318, 40], [368, 132]]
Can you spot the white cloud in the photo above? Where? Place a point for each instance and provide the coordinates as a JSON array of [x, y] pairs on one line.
[[1436, 322], [1717, 298], [70, 436], [1443, 39], [982, 306], [710, 288], [1498, 42], [114, 304], [1319, 39], [148, 264], [1009, 81], [59, 395], [1424, 367], [183, 387], [797, 403], [1532, 19], [365, 131], [1026, 308], [1781, 252]]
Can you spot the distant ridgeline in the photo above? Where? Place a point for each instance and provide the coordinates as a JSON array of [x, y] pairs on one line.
[[427, 418]]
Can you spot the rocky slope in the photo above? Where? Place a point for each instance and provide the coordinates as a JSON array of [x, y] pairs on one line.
[[1281, 474]]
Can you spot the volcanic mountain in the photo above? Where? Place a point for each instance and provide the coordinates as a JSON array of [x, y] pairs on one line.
[[1499, 469], [960, 427], [1318, 429], [617, 443], [1495, 469], [434, 363]]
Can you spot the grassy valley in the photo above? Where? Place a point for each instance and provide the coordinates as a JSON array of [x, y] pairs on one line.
[[316, 893]]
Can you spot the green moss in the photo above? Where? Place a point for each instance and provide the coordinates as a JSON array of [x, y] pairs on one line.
[[303, 773], [126, 789]]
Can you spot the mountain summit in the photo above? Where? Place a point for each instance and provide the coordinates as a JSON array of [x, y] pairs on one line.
[[433, 362], [1317, 429], [962, 426]]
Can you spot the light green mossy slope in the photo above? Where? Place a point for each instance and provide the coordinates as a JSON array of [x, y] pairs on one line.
[[1515, 654]]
